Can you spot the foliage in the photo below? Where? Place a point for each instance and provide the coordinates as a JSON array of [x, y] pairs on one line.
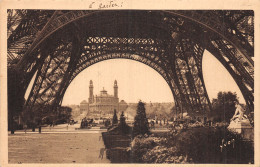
[[64, 114], [141, 125], [84, 123], [194, 145], [107, 123], [115, 119], [122, 119], [40, 113], [146, 149], [15, 95], [196, 124], [45, 114], [163, 154], [203, 145], [141, 145], [163, 110], [224, 106], [123, 127]]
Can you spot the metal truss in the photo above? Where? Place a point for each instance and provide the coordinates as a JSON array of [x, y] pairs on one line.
[[58, 45]]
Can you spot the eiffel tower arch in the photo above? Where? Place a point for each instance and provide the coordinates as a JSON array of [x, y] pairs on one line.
[[56, 46]]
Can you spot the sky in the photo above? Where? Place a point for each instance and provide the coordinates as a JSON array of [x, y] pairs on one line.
[[137, 81]]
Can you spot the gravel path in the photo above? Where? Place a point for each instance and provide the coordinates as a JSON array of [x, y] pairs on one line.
[[55, 148]]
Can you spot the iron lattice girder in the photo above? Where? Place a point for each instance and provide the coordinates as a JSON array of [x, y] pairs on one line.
[[59, 20], [147, 49], [237, 66], [245, 71], [128, 25], [150, 52], [49, 76], [191, 76], [206, 20], [239, 61], [163, 19], [154, 51], [247, 93], [155, 66], [23, 25]]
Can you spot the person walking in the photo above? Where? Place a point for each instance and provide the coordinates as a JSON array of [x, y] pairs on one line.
[[101, 153], [40, 129], [25, 128], [100, 137]]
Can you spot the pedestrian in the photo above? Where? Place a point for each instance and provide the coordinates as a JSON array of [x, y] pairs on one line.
[[101, 153], [25, 128], [40, 129]]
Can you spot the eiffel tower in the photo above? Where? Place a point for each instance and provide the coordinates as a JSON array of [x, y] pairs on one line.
[[55, 46]]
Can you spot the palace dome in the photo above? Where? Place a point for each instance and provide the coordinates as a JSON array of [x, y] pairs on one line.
[[84, 102]]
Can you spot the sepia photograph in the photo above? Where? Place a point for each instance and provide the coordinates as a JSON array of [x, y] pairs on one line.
[[131, 86]]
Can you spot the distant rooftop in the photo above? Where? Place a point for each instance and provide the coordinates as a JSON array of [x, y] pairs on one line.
[[84, 102]]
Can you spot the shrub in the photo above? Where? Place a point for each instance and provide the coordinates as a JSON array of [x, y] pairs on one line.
[[204, 144], [115, 120], [194, 145], [141, 125], [121, 128], [224, 106], [154, 150], [162, 154], [140, 145]]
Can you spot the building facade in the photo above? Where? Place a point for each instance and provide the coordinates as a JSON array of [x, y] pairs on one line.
[[103, 104], [84, 106]]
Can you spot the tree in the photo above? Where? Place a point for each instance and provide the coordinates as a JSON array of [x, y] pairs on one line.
[[123, 127], [141, 125], [122, 118], [115, 119], [64, 114], [224, 106], [107, 123], [15, 96]]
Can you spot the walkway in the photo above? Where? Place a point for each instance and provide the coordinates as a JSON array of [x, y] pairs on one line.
[[53, 146]]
